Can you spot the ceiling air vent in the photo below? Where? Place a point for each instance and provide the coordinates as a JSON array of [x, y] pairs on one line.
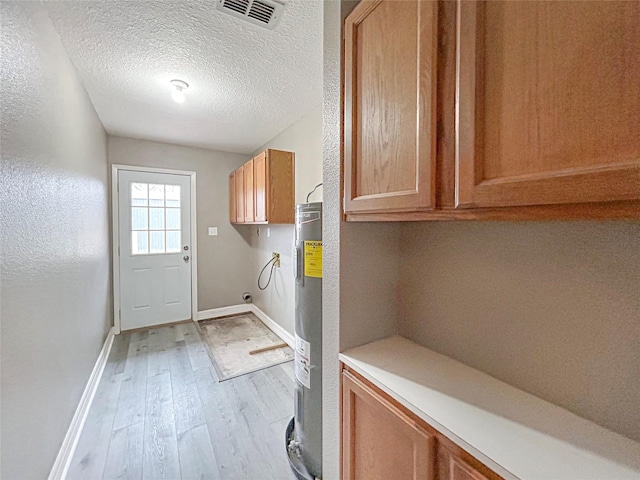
[[265, 13]]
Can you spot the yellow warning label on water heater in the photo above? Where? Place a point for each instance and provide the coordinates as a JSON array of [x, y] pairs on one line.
[[313, 259]]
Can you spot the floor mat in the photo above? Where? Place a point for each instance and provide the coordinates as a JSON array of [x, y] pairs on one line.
[[231, 339]]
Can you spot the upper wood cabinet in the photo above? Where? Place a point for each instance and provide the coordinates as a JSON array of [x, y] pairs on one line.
[[549, 102], [260, 186], [232, 197], [249, 202], [390, 127], [240, 198], [379, 441], [492, 109], [265, 189]]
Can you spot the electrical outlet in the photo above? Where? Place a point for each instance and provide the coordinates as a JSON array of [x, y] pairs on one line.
[[277, 257]]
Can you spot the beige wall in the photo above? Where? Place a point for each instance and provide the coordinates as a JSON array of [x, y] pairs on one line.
[[56, 300], [552, 308], [304, 138], [225, 261]]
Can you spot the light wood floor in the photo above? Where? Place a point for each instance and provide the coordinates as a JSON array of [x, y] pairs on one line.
[[160, 413]]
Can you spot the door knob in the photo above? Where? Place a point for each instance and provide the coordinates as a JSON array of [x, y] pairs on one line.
[[186, 258]]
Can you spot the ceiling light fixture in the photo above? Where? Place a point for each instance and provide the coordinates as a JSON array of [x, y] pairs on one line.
[[178, 94]]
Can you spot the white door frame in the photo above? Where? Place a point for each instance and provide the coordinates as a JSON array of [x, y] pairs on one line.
[[115, 217]]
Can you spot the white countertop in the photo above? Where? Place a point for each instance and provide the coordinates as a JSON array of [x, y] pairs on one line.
[[516, 434]]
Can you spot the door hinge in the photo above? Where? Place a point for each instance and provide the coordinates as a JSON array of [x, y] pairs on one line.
[[118, 251]]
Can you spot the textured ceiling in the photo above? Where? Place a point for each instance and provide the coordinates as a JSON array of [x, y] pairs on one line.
[[247, 83]]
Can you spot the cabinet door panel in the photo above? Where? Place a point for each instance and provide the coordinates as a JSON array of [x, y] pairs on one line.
[[249, 200], [260, 186], [452, 467], [390, 88], [548, 104], [240, 213], [232, 197], [379, 441]]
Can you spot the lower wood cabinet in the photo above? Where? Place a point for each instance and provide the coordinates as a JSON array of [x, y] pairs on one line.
[[379, 440], [383, 440]]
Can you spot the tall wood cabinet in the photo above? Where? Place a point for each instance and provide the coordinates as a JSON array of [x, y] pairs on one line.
[[264, 189], [492, 109]]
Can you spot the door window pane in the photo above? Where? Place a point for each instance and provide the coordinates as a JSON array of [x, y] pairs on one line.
[[139, 194], [156, 242], [139, 218], [173, 195], [139, 243], [156, 219], [173, 218], [155, 227], [173, 241], [156, 195]]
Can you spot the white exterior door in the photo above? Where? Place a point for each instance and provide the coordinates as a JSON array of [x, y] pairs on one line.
[[154, 248]]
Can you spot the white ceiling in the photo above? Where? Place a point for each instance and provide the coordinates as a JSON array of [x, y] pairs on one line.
[[247, 83]]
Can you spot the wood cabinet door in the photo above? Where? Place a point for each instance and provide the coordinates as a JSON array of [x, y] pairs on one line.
[[548, 102], [249, 199], [390, 106], [452, 467], [380, 442], [232, 197], [240, 196], [260, 187]]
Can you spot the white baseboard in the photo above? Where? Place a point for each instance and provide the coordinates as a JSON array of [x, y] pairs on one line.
[[223, 311], [273, 326], [249, 307], [70, 442]]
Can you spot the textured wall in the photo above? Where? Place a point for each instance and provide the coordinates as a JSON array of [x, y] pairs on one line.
[[304, 138], [56, 302], [225, 261], [360, 261], [552, 308], [331, 243]]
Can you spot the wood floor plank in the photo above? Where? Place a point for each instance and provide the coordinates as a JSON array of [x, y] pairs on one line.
[[131, 402], [160, 447], [197, 460], [233, 459], [272, 404], [266, 447], [119, 351], [186, 399], [124, 459], [91, 452], [282, 385], [159, 346], [198, 354], [288, 369]]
